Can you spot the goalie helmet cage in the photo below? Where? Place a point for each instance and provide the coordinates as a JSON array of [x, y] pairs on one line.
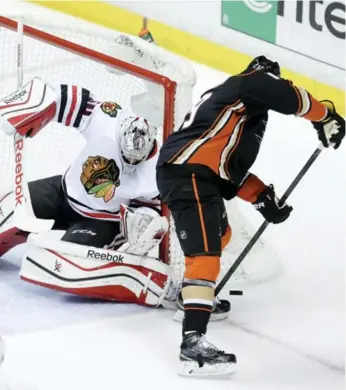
[[122, 68]]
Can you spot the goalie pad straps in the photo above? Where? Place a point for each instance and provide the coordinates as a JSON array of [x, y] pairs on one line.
[[29, 109]]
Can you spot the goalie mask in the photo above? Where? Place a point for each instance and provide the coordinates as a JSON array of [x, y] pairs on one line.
[[137, 140]]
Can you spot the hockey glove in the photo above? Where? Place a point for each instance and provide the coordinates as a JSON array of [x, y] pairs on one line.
[[267, 204], [330, 130]]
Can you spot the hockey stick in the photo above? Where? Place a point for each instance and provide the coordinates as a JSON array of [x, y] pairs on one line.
[[265, 224], [24, 217]]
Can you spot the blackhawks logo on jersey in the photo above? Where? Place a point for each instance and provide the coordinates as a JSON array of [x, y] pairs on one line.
[[110, 108], [100, 177]]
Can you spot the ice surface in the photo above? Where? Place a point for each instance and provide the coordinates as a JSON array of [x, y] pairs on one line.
[[288, 334]]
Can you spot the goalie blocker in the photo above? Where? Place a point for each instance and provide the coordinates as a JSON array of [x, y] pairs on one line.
[[29, 109]]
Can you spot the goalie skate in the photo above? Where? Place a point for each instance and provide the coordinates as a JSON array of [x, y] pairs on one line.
[[200, 358]]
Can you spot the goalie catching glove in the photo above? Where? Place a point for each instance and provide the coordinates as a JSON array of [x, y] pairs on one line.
[[143, 229], [330, 130], [268, 205]]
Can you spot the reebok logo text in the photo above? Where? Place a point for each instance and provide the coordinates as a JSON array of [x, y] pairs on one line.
[[19, 172], [103, 256], [15, 97]]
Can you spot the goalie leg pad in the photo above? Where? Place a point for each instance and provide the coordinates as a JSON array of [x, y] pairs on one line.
[[93, 272]]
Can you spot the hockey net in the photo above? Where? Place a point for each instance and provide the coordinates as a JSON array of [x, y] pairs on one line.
[[117, 68]]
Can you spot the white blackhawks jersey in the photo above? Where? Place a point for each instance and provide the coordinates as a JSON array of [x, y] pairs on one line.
[[95, 184]]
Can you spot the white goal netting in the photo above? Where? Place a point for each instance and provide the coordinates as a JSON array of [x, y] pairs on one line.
[[53, 149]]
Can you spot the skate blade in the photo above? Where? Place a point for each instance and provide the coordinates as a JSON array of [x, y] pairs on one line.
[[179, 316], [215, 371]]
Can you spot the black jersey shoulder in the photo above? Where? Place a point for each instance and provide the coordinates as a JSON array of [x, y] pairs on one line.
[[259, 92]]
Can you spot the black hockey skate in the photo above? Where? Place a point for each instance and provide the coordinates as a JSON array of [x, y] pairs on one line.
[[220, 310], [200, 358]]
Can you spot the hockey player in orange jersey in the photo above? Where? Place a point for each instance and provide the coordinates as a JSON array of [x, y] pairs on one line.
[[208, 160]]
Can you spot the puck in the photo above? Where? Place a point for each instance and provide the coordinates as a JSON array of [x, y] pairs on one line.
[[236, 292]]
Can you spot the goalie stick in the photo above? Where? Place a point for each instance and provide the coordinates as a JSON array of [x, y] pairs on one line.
[[265, 224], [24, 217]]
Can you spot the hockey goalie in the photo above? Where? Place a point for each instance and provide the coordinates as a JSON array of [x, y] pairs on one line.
[[105, 206], [106, 210]]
